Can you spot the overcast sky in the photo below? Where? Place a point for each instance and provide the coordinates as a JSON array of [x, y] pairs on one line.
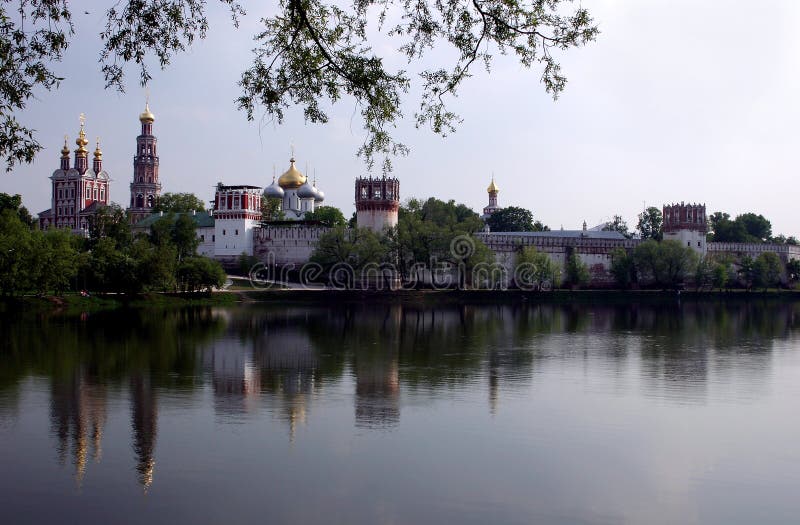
[[675, 101]]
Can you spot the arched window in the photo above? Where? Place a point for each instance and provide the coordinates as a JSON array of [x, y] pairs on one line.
[[150, 200], [139, 201]]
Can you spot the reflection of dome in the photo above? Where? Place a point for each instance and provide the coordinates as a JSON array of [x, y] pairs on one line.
[[292, 179], [319, 194], [492, 187], [273, 191], [307, 191], [147, 116]]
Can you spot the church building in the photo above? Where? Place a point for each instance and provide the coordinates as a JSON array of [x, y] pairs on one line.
[[79, 191]]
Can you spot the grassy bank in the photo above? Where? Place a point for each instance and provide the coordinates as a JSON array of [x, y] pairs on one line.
[[77, 303]]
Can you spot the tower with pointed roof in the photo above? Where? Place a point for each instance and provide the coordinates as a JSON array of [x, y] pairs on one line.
[[145, 187], [492, 207], [77, 192]]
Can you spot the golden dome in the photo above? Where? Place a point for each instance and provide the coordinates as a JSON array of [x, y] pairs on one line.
[[65, 149], [492, 187], [97, 153], [147, 116], [292, 179], [81, 142]]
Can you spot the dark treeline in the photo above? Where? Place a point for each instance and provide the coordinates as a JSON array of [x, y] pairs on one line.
[[109, 259]]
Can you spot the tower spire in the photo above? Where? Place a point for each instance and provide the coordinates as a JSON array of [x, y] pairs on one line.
[[81, 162]]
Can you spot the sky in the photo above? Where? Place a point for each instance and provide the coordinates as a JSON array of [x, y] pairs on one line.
[[675, 101]]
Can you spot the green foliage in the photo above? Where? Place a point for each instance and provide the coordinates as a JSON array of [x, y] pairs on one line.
[[622, 267], [650, 224], [793, 270], [747, 227], [246, 263], [308, 54], [178, 203], [665, 264], [577, 273], [618, 224], [200, 273], [722, 272], [426, 231], [355, 248], [704, 273], [56, 261], [14, 203], [514, 219], [533, 267], [329, 216], [271, 209], [767, 270], [110, 222]]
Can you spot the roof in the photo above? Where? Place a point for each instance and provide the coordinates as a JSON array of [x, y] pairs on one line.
[[572, 234], [202, 219]]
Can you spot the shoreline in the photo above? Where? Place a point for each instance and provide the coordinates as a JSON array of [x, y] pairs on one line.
[[75, 302]]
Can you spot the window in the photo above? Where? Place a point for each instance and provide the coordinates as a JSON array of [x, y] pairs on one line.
[[688, 243], [363, 192], [223, 232], [698, 244], [202, 238], [237, 232], [213, 238], [377, 193]]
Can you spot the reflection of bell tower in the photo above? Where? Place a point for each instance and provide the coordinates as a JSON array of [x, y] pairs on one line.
[[144, 416], [145, 188]]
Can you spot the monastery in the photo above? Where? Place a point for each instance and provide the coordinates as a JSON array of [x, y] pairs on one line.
[[234, 224]]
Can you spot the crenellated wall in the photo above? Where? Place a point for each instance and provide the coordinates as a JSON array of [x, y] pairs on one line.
[[787, 252], [283, 245]]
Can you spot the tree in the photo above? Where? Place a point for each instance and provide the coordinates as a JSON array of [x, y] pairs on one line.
[[622, 267], [767, 269], [356, 248], [665, 263], [200, 273], [514, 219], [650, 224], [793, 270], [618, 224], [110, 222], [271, 209], [747, 227], [178, 203], [14, 203], [535, 270], [577, 273], [756, 226], [329, 216], [309, 53]]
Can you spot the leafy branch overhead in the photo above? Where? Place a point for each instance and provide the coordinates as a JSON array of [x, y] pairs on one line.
[[309, 54]]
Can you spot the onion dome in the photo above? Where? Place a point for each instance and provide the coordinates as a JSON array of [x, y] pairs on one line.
[[147, 116], [306, 191], [97, 153], [292, 179], [319, 194], [65, 149], [273, 191], [492, 187], [81, 142]]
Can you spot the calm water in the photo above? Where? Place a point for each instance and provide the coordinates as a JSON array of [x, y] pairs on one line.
[[396, 414]]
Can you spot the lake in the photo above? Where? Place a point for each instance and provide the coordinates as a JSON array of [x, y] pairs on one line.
[[380, 413]]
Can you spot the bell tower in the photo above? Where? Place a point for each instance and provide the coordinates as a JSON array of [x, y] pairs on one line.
[[145, 188]]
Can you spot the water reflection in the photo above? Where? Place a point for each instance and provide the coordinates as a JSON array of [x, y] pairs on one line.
[[281, 360]]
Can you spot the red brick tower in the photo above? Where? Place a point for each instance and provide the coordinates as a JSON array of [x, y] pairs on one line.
[[145, 188]]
